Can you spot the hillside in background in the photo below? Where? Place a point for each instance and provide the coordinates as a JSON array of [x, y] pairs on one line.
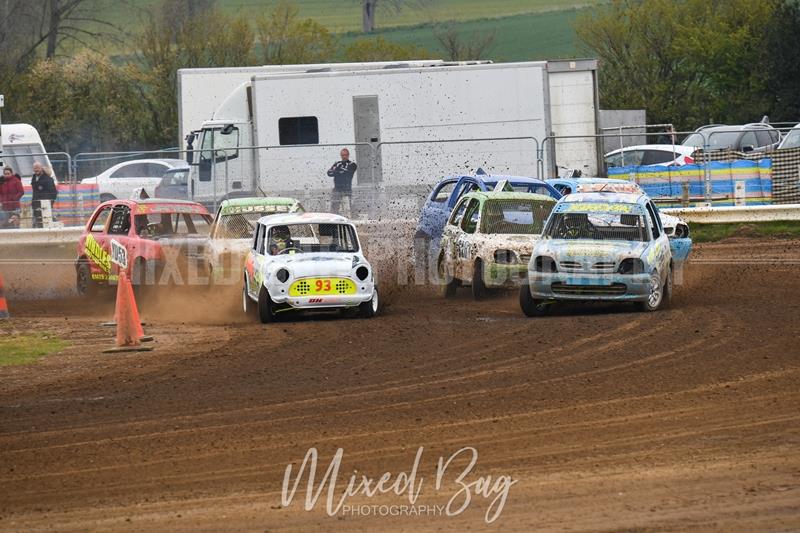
[[524, 29]]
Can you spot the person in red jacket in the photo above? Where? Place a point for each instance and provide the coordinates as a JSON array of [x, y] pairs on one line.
[[10, 192]]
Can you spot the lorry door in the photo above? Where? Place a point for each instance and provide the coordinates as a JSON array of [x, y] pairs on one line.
[[366, 121]]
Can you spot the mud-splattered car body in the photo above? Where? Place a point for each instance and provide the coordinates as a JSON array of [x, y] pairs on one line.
[[232, 232], [307, 261], [446, 194], [677, 230], [600, 247], [488, 239], [163, 242]]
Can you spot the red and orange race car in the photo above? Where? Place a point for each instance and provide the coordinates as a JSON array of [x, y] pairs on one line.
[[155, 241]]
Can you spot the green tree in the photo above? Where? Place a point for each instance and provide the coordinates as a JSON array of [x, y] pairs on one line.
[[464, 47], [83, 104], [203, 38], [684, 61], [284, 39], [781, 62], [379, 49]]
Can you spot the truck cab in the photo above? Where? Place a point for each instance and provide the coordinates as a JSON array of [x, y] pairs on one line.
[[219, 168]]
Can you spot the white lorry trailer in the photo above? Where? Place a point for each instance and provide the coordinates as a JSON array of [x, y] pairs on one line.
[[202, 90], [405, 125], [20, 147]]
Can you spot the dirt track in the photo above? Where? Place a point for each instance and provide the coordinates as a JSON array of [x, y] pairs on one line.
[[607, 418]]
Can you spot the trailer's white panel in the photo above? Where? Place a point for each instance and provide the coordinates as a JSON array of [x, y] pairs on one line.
[[202, 90], [572, 112], [443, 103]]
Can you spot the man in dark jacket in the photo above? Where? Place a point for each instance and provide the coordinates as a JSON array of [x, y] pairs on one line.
[[342, 174], [44, 188], [10, 192]]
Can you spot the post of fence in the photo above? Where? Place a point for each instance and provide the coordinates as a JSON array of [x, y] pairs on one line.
[[707, 165]]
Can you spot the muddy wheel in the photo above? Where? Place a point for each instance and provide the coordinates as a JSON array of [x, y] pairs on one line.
[[84, 283], [447, 283], [478, 285], [370, 308], [265, 307], [656, 294], [530, 305]]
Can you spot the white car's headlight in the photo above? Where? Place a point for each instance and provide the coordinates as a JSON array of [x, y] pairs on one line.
[[362, 273], [282, 275]]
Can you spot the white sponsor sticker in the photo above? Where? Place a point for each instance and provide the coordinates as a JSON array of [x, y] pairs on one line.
[[119, 254]]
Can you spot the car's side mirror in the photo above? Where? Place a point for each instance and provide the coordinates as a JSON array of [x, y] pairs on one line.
[[748, 148]]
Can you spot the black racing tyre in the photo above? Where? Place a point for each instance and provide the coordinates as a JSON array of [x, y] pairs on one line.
[[531, 306], [656, 294], [478, 285], [265, 313], [668, 287], [447, 283], [86, 286], [369, 308]]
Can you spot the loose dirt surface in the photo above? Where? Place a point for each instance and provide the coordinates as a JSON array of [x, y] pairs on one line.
[[606, 418]]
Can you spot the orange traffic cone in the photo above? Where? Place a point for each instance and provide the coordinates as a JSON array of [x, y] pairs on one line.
[[3, 303], [129, 327]]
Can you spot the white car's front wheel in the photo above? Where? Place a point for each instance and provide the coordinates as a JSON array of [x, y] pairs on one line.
[[369, 308], [265, 307]]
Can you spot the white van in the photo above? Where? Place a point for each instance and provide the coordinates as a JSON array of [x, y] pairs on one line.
[[21, 147]]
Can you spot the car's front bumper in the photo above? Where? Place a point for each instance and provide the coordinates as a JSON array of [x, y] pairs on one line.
[[364, 292], [589, 287]]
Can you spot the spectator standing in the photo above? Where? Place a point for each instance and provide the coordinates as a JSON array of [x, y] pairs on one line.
[[10, 193], [342, 173], [44, 188]]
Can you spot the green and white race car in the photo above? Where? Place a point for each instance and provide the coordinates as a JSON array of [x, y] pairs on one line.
[[232, 233], [488, 240]]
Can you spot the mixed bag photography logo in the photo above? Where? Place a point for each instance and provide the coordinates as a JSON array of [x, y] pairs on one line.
[[455, 485]]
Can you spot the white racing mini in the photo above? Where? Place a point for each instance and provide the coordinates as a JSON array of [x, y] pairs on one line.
[[307, 261]]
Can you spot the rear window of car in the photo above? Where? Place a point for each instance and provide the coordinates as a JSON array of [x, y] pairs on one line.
[[625, 158], [515, 216], [658, 157], [161, 225], [764, 138]]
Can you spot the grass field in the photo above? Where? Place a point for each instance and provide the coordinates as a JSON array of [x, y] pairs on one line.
[[517, 38], [25, 349], [717, 232], [525, 29], [345, 15]]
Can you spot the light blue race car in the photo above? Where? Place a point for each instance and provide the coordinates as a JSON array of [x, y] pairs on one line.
[[600, 246]]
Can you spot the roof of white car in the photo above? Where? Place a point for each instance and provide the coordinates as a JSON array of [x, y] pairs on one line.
[[678, 148], [302, 218], [175, 163], [604, 197]]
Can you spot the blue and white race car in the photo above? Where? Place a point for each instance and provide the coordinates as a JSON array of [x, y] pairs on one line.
[[677, 230], [600, 247]]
